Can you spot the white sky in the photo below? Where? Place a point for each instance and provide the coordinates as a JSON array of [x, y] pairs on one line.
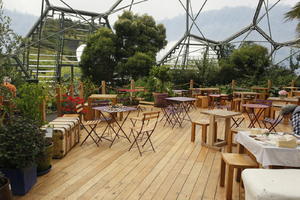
[[159, 9]]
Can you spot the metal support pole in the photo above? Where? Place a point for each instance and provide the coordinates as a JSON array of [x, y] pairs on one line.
[[39, 39]]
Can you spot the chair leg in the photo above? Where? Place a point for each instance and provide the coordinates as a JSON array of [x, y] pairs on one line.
[[135, 142], [229, 183], [204, 133], [193, 132], [222, 175]]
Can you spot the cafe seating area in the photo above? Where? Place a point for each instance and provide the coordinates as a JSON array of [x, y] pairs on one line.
[[176, 150]]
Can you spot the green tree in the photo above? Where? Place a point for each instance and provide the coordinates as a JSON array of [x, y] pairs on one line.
[[137, 34], [98, 58], [9, 43], [248, 64], [138, 65], [294, 13]]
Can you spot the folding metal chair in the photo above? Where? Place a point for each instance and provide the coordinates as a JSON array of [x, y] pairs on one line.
[[148, 125], [271, 124], [92, 124]]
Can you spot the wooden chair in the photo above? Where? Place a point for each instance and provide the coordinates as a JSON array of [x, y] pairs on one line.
[[204, 124], [233, 161], [148, 125], [141, 109]]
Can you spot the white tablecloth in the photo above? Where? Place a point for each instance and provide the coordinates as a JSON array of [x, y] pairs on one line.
[[267, 154], [268, 184]]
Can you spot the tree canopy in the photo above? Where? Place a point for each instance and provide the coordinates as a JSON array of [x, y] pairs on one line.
[[250, 62], [129, 52]]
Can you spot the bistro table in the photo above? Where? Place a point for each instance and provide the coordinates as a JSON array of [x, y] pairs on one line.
[[112, 97], [180, 107], [113, 110], [254, 116], [267, 153], [286, 100], [218, 113]]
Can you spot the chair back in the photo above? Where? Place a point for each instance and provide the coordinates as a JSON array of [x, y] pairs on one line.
[[147, 118]]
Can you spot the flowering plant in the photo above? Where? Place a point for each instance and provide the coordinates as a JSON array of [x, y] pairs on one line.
[[283, 93], [69, 103]]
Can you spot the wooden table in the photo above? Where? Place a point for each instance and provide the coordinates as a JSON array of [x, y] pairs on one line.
[[263, 92], [290, 89], [217, 113], [206, 90], [90, 112], [267, 153], [180, 92], [296, 93], [286, 100], [243, 96]]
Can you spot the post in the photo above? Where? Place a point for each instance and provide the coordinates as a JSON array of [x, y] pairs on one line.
[[132, 86], [81, 90], [71, 90], [233, 83], [103, 87], [269, 84], [43, 110], [58, 100], [293, 83], [191, 84]]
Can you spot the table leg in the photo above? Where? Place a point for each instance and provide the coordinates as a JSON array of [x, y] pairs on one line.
[[227, 128], [212, 130]]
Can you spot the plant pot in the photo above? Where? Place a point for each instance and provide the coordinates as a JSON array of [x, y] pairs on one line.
[[44, 160], [21, 180], [159, 99], [5, 191]]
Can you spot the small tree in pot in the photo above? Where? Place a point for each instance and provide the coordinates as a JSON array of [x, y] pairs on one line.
[[22, 141], [161, 76], [5, 192]]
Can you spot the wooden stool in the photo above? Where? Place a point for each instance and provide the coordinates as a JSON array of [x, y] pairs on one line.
[[233, 160], [202, 102], [204, 124], [236, 104]]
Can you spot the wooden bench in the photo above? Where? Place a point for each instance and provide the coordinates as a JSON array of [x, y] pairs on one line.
[[204, 124], [233, 160]]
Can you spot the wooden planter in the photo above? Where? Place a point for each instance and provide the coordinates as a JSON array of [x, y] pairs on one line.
[[159, 99]]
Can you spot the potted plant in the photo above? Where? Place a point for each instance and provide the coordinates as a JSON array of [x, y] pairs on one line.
[[283, 94], [22, 140], [161, 75], [5, 191]]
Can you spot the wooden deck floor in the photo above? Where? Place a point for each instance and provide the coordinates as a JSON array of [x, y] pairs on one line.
[[178, 169]]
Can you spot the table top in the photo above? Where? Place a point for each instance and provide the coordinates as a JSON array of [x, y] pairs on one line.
[[267, 153], [114, 109], [220, 113], [131, 90], [289, 87], [181, 99], [253, 105], [179, 91], [103, 96], [246, 93], [206, 89], [286, 99], [259, 88]]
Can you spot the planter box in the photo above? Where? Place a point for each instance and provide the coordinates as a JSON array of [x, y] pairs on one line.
[[21, 180]]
